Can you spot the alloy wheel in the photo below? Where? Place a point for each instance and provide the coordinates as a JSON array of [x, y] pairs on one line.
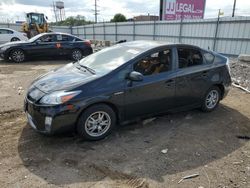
[[18, 56], [77, 54], [212, 99], [98, 123]]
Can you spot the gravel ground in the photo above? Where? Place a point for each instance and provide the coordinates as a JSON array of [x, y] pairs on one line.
[[214, 145], [240, 72]]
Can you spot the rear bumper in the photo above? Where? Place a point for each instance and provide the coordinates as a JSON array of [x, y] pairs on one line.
[[226, 90]]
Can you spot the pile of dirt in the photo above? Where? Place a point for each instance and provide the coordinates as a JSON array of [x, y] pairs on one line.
[[240, 72]]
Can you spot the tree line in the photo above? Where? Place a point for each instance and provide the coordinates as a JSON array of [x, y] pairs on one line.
[[81, 20]]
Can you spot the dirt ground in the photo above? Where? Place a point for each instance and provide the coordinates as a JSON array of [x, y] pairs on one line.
[[214, 145]]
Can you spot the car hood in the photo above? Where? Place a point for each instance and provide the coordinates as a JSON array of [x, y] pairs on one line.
[[64, 78], [15, 43]]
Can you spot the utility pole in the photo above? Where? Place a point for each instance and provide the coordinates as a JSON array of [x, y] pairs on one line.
[[234, 8], [96, 11]]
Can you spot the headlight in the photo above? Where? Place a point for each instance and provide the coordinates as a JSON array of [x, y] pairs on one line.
[[58, 97], [5, 48]]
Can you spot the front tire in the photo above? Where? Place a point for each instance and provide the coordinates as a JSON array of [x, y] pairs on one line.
[[76, 54], [17, 55], [211, 99], [15, 39], [96, 122]]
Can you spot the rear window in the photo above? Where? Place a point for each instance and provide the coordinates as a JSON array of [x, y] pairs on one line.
[[189, 57], [77, 39], [208, 57]]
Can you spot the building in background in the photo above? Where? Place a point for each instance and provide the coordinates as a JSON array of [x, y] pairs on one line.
[[182, 9], [146, 18]]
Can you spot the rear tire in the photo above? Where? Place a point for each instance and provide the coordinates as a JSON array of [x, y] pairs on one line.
[[76, 54], [88, 52], [15, 39], [17, 55], [96, 122], [211, 99]]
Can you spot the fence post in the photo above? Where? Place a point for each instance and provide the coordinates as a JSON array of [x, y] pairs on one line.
[[133, 30], [115, 31], [181, 25], [104, 31], [71, 30], [94, 31], [84, 30], [216, 30], [77, 30], [154, 30]]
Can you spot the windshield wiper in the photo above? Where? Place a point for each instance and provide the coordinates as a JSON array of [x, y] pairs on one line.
[[92, 71]]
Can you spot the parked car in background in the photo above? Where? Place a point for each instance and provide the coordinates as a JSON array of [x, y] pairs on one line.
[[45, 45], [10, 35], [124, 82]]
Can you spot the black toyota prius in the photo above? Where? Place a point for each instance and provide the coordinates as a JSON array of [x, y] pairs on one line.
[[124, 82], [44, 45]]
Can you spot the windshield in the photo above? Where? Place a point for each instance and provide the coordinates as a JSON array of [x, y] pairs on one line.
[[110, 58], [33, 39]]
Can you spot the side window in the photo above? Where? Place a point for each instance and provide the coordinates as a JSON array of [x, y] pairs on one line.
[[208, 57], [189, 57], [62, 38], [10, 32], [154, 63], [77, 39], [47, 38], [5, 31]]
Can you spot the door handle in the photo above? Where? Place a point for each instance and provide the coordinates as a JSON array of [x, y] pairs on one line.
[[204, 73]]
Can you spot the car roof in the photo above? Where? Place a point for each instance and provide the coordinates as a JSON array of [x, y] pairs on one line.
[[7, 28], [144, 45], [58, 33]]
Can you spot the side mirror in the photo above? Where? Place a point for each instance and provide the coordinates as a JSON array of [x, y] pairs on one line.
[[135, 76]]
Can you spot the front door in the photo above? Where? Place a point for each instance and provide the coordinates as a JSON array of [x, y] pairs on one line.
[[156, 92], [44, 46]]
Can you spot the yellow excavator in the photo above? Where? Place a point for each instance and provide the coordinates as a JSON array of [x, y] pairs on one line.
[[35, 24]]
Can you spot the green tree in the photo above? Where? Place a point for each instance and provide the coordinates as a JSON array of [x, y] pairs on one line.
[[73, 21], [119, 18]]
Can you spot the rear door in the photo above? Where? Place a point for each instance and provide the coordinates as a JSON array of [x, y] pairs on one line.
[[193, 76], [65, 44], [156, 92]]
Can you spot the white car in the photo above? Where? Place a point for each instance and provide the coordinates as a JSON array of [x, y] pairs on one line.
[[9, 35]]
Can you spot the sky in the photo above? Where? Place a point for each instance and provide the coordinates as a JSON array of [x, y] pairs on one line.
[[13, 10]]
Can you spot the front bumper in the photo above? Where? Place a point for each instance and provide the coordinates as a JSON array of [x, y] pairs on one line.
[[51, 119], [2, 54]]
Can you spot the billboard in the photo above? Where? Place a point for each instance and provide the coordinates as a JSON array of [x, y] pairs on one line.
[[186, 9]]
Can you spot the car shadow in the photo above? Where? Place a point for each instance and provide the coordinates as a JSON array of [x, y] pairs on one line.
[[191, 139]]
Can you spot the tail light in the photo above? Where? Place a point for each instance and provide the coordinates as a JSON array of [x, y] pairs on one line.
[[87, 42]]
